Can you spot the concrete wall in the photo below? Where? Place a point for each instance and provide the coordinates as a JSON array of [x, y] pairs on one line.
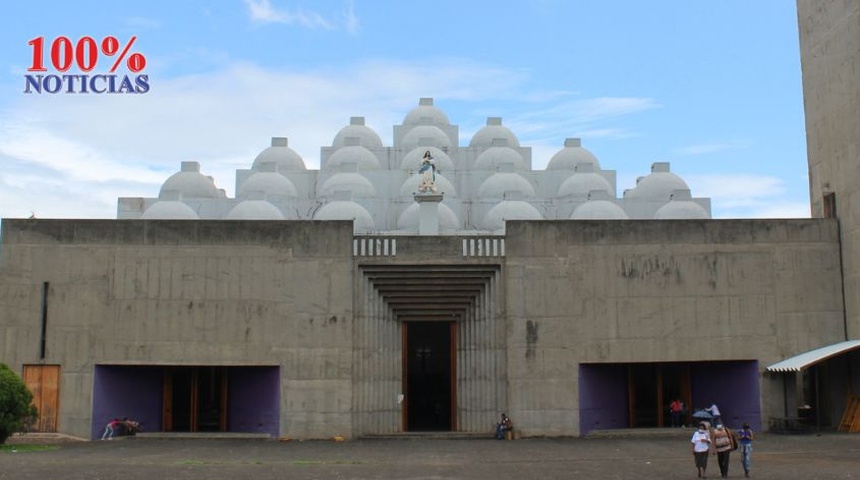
[[185, 293], [830, 59], [661, 291], [558, 294]]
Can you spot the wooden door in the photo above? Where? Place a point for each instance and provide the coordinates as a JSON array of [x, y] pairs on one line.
[[43, 381]]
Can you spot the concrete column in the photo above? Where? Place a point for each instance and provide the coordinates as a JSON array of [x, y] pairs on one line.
[[428, 214]]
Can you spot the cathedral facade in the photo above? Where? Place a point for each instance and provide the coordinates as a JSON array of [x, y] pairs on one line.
[[359, 300]]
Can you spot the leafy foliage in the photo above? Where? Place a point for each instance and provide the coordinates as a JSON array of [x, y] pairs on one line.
[[15, 408]]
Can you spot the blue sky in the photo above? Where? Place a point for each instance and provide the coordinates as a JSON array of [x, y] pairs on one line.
[[713, 87]]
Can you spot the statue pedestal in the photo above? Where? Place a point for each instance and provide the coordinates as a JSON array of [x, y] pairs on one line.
[[428, 213]]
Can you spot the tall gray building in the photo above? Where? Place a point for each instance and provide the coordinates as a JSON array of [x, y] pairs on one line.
[[830, 56]]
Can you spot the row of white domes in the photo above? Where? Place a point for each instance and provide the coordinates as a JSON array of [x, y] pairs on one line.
[[190, 183], [355, 151], [352, 154], [594, 209]]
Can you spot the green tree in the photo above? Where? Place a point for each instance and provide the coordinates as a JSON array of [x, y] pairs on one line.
[[15, 408]]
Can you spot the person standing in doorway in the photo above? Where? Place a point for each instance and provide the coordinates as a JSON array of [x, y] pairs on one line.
[[701, 446], [745, 439], [675, 409]]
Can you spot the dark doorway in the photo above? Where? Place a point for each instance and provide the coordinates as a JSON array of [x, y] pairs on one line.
[[674, 384], [652, 387], [644, 404], [195, 399], [429, 372]]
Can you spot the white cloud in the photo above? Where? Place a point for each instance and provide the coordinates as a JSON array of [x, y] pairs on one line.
[[730, 186], [66, 156], [26, 189], [222, 120], [262, 11], [610, 107], [748, 196], [707, 148], [764, 209], [142, 23], [582, 118], [350, 18]]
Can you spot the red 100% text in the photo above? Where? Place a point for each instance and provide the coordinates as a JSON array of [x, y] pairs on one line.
[[85, 54]]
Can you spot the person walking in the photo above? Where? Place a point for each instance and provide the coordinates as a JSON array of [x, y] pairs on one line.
[[700, 446], [745, 439], [723, 448]]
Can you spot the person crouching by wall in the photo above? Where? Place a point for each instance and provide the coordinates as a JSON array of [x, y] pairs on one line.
[[110, 429], [505, 425]]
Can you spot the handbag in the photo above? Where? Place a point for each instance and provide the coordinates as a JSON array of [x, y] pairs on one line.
[[732, 438]]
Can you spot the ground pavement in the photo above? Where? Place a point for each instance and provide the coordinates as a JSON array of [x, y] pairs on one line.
[[827, 456]]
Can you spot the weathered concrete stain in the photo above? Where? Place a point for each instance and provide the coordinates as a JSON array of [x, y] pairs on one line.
[[531, 339], [646, 268]]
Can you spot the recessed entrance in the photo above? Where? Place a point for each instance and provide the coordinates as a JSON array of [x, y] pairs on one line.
[[652, 387], [180, 398], [195, 399], [430, 371]]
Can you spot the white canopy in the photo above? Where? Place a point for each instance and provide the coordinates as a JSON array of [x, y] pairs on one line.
[[799, 362]]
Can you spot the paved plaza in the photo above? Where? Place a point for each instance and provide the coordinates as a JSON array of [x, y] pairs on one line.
[[827, 456]]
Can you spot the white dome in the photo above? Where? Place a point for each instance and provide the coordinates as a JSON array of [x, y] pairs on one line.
[[356, 128], [443, 185], [494, 129], [410, 218], [280, 154], [424, 136], [169, 210], [426, 114], [269, 184], [499, 183], [491, 158], [681, 210], [599, 210], [348, 182], [572, 155], [347, 210], [657, 186], [363, 158], [412, 160], [579, 184], [255, 210], [509, 210], [190, 185]]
